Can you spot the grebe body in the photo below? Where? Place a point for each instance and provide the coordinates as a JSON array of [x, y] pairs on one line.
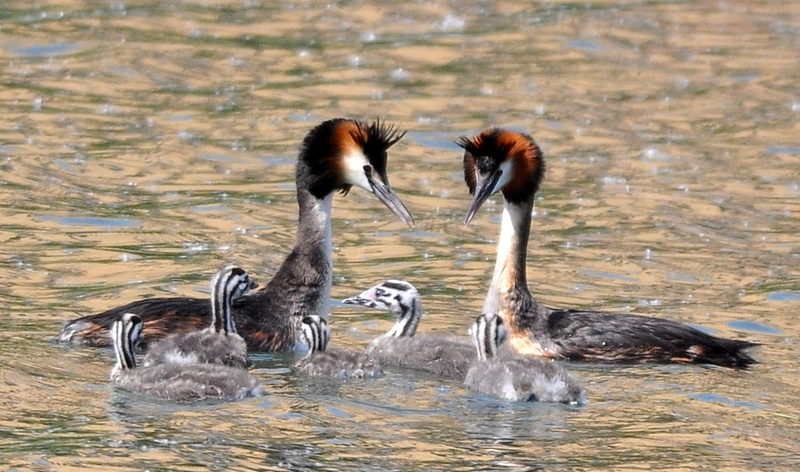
[[442, 355], [218, 343], [335, 156], [511, 163]]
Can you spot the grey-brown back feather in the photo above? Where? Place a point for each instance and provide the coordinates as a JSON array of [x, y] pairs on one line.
[[438, 354], [187, 383], [199, 347]]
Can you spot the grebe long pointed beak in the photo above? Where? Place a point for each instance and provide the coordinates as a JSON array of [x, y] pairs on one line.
[[486, 187], [388, 197]]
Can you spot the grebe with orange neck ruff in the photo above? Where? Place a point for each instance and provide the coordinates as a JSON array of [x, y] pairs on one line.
[[335, 156], [511, 163]]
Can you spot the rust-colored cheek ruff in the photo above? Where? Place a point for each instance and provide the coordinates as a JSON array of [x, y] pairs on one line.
[[528, 164], [348, 137], [487, 151], [470, 172], [372, 140]]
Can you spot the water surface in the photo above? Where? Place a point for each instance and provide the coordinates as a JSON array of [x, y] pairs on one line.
[[145, 144]]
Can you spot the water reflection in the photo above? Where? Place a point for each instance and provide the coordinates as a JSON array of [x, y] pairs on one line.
[[142, 145]]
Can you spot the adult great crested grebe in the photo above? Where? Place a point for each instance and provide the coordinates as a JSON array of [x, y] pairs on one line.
[[322, 361], [175, 381], [443, 355], [511, 163], [335, 156], [515, 377], [218, 343]]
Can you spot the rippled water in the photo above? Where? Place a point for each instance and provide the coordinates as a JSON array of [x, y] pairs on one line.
[[145, 144]]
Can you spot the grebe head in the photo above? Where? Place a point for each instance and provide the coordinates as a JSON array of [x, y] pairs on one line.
[[126, 333], [316, 333], [232, 282], [228, 284], [501, 160], [488, 333], [340, 153], [394, 296]]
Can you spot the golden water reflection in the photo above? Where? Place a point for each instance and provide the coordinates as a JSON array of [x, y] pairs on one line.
[[143, 145]]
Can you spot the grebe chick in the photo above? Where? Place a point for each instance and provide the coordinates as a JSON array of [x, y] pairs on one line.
[[443, 355], [322, 361], [335, 156], [177, 382], [511, 163], [218, 343], [514, 377]]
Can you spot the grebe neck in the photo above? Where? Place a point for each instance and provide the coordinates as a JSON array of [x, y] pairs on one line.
[[512, 248], [123, 348], [221, 310], [308, 270], [407, 321]]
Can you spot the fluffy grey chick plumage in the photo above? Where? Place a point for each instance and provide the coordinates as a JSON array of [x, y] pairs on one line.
[[514, 377], [442, 355], [173, 381], [189, 383], [217, 344], [322, 361]]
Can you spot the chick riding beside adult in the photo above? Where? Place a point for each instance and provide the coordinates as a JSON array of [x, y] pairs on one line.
[[180, 382], [323, 361], [217, 344], [504, 161], [335, 156], [443, 355], [516, 377]]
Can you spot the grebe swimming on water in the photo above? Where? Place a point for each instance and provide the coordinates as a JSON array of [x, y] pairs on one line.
[[443, 355], [171, 381], [511, 163], [218, 343], [515, 377], [322, 361], [335, 156]]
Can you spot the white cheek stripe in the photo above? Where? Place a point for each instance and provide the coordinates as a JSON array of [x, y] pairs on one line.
[[508, 170], [354, 163]]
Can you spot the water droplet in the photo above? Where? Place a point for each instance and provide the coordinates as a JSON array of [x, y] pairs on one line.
[[451, 23], [354, 61], [399, 74]]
